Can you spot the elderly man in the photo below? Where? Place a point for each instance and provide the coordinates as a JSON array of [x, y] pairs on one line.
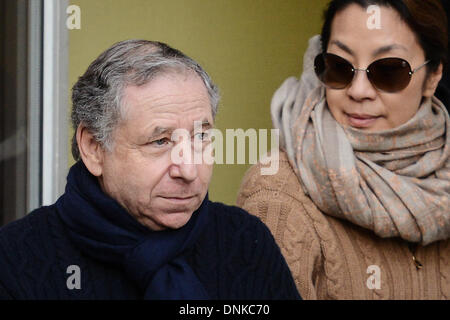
[[134, 223]]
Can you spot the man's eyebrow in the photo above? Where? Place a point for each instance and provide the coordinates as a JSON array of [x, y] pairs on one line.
[[205, 123], [388, 48], [159, 131], [162, 130], [342, 46]]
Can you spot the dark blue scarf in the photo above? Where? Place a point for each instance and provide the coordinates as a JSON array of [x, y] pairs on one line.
[[102, 229]]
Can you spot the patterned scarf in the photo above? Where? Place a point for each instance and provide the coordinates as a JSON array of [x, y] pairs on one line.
[[394, 182]]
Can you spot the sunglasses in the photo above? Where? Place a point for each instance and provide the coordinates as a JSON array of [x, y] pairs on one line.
[[388, 74]]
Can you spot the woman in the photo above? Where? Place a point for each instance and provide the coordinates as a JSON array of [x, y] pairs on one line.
[[443, 90], [360, 205]]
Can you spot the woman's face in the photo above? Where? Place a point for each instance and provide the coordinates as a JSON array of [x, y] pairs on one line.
[[360, 105]]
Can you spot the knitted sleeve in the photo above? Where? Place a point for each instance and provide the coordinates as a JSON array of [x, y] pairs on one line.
[[279, 283], [276, 201]]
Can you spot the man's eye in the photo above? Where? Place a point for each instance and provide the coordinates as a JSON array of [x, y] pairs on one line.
[[203, 136], [160, 142]]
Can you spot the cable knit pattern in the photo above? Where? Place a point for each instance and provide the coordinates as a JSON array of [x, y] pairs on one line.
[[329, 257], [235, 258], [444, 267], [372, 256]]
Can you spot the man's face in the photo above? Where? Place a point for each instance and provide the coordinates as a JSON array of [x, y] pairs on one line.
[[139, 172]]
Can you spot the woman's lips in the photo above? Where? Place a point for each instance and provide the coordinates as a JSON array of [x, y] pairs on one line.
[[361, 120]]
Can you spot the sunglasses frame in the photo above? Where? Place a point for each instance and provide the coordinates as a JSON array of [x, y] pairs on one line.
[[367, 70]]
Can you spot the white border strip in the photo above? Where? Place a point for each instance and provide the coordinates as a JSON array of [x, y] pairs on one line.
[[34, 104], [55, 78]]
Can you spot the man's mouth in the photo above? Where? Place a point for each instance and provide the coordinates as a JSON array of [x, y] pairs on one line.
[[178, 199]]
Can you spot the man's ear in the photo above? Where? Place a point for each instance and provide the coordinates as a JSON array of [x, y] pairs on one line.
[[91, 152], [432, 82]]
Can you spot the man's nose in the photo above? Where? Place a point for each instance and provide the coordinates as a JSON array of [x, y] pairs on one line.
[[361, 88], [185, 169]]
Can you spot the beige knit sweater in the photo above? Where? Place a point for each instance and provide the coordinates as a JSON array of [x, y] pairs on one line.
[[335, 259]]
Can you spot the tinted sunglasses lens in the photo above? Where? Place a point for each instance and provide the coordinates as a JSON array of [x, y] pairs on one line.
[[390, 74], [334, 71]]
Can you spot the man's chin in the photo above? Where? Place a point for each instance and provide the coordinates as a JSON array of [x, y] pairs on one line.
[[167, 220]]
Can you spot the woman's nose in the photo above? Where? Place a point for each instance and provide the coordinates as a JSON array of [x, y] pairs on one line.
[[361, 88]]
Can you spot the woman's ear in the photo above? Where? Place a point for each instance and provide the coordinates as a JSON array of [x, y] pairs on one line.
[[432, 82], [91, 152]]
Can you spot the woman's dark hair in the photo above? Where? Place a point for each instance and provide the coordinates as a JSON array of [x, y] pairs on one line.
[[426, 18]]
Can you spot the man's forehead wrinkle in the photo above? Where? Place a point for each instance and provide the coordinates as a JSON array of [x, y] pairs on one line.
[[172, 108], [158, 100]]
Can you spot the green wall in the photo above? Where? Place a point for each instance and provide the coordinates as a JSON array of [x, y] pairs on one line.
[[247, 46]]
